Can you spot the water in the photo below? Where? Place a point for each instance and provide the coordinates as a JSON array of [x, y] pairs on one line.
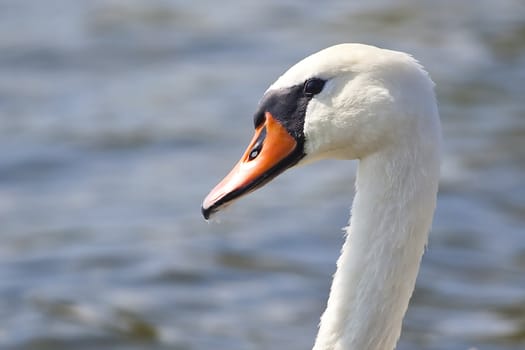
[[117, 117]]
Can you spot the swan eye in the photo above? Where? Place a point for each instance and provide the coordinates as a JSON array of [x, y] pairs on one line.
[[313, 87]]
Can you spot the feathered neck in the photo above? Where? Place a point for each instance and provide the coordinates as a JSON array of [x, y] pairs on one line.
[[376, 272]]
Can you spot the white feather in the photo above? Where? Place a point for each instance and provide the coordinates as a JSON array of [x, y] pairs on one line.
[[377, 106]]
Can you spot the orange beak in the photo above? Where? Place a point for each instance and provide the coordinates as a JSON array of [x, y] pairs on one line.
[[271, 151]]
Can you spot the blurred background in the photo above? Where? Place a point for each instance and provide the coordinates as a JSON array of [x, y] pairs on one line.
[[117, 117]]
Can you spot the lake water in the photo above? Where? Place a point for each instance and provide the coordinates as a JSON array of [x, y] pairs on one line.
[[117, 117]]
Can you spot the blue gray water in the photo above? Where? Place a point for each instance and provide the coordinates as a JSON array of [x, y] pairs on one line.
[[117, 117]]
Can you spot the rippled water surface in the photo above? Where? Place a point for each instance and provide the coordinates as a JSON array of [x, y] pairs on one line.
[[117, 117]]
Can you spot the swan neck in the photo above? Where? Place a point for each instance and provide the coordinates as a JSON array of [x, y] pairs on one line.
[[376, 272]]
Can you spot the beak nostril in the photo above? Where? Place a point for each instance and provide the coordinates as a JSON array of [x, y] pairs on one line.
[[257, 147], [253, 154]]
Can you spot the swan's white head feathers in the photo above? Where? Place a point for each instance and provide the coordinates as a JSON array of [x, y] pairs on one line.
[[372, 97], [347, 101]]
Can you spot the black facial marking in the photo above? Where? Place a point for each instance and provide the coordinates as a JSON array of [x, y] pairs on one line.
[[288, 106], [258, 118]]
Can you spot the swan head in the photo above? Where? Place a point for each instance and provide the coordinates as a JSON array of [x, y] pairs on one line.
[[347, 102]]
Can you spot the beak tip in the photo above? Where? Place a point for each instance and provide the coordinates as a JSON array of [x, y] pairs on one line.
[[209, 205], [206, 212]]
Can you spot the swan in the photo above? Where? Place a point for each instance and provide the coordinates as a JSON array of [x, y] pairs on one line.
[[354, 101]]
